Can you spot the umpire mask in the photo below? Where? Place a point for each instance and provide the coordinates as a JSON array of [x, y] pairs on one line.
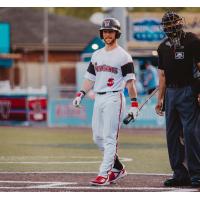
[[172, 25]]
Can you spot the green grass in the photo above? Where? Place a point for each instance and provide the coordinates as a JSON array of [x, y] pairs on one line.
[[147, 150]]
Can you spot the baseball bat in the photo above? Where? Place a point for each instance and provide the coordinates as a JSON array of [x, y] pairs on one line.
[[129, 117]]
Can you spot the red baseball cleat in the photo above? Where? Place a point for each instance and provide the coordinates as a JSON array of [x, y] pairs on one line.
[[100, 181], [116, 175]]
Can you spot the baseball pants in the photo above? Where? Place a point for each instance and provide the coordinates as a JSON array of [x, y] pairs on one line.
[[107, 118]]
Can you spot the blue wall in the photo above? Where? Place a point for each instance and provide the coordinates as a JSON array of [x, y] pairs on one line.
[[62, 113]]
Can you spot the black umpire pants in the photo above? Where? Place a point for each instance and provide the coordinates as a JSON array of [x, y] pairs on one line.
[[183, 120]]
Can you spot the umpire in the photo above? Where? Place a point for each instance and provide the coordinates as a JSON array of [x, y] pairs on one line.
[[178, 55]]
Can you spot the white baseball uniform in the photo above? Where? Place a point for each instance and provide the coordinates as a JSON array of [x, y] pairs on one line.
[[109, 70]]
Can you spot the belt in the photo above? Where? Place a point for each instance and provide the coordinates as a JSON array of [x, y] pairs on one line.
[[101, 93], [174, 85]]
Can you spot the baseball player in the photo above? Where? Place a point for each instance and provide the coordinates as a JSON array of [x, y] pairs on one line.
[[111, 68], [178, 54]]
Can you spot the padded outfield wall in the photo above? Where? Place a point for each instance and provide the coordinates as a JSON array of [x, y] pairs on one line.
[[61, 113]]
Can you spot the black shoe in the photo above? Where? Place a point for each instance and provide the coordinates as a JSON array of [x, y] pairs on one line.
[[173, 182], [195, 182]]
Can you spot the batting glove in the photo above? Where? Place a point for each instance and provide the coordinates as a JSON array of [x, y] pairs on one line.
[[78, 98], [134, 111]]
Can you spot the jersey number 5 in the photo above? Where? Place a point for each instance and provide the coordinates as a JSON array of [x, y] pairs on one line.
[[110, 82]]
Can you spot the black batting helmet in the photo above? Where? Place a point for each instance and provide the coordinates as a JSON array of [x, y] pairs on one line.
[[110, 24], [172, 24]]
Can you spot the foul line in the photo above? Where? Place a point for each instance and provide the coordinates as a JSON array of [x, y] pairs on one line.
[[42, 185], [60, 172], [104, 188], [40, 182], [51, 163], [58, 163], [64, 185]]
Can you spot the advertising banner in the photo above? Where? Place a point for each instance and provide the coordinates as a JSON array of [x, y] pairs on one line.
[[147, 30], [37, 108], [23, 108], [13, 108], [62, 113]]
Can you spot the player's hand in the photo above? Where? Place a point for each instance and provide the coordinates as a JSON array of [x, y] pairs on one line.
[[133, 111], [158, 108], [198, 99], [78, 98]]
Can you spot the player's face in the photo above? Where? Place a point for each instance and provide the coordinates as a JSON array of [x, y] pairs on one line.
[[109, 36]]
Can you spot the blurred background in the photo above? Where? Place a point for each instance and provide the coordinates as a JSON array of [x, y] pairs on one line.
[[44, 53]]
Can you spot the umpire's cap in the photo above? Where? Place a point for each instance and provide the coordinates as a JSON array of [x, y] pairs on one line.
[[110, 24]]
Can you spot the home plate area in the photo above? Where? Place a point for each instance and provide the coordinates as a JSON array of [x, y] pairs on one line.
[[79, 182]]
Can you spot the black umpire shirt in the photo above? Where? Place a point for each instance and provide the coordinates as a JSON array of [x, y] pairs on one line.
[[178, 64]]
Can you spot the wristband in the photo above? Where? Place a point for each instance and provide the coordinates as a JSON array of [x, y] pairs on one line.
[[134, 99]]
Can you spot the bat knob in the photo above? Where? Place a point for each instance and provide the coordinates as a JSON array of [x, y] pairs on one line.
[[128, 119]]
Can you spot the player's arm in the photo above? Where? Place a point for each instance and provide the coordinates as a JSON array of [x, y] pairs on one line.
[[130, 85], [198, 98], [161, 92], [129, 78], [198, 66], [87, 85], [195, 49]]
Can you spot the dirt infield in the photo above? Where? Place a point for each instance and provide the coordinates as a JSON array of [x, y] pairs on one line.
[[79, 182]]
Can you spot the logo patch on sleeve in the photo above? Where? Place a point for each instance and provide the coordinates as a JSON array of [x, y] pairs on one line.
[[179, 55]]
